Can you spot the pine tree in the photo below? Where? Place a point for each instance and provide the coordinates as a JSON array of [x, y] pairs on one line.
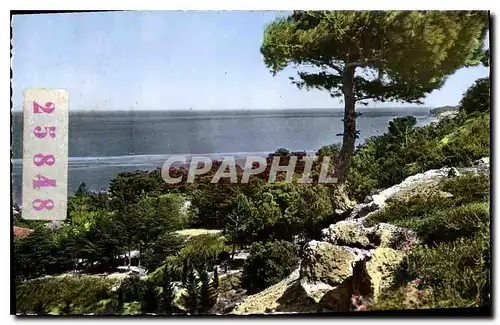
[[168, 292], [149, 299], [208, 295], [216, 278], [191, 298]]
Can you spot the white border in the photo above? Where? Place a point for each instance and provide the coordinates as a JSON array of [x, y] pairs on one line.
[[191, 5]]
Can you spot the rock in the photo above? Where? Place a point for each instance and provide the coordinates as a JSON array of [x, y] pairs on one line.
[[385, 235], [325, 262], [368, 199], [380, 269], [325, 271], [358, 253], [346, 233], [482, 161], [286, 296], [361, 239], [453, 172], [409, 184], [362, 210]]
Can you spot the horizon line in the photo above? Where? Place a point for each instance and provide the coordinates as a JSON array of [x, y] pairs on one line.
[[90, 110]]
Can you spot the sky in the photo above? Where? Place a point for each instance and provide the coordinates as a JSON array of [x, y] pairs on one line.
[[168, 60]]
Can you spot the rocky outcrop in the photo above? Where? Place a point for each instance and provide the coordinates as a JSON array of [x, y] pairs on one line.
[[353, 263]]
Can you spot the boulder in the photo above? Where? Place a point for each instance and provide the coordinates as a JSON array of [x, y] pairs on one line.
[[346, 233], [325, 273], [379, 269], [325, 262], [286, 296], [362, 210]]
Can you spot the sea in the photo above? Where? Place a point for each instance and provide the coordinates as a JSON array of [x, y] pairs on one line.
[[105, 143]]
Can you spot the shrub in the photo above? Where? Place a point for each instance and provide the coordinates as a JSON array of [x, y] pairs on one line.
[[203, 248], [468, 188], [131, 288], [149, 298], [469, 142], [267, 264], [477, 97], [83, 293]]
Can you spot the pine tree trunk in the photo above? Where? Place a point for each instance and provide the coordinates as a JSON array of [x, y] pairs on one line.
[[349, 136]]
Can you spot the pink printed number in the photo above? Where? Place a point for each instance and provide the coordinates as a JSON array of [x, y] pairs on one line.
[[43, 181], [39, 159], [39, 205], [49, 107], [51, 130]]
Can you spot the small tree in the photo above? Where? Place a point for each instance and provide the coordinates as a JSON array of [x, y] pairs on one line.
[[82, 190], [374, 55], [268, 263], [168, 291], [400, 127], [208, 295], [238, 220], [191, 298], [149, 298]]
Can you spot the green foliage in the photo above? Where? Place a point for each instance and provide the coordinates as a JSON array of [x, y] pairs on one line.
[[468, 188], [208, 294], [331, 150], [167, 292], [191, 297], [457, 271], [453, 265], [149, 298], [386, 160], [131, 289], [477, 97], [35, 255], [239, 220], [373, 55], [469, 142], [200, 249], [267, 264], [402, 55], [230, 282], [442, 219], [79, 294], [167, 244]]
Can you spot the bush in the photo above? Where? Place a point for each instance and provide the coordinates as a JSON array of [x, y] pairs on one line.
[[437, 219], [383, 161], [453, 268], [477, 97], [83, 292], [131, 288], [469, 142], [267, 264]]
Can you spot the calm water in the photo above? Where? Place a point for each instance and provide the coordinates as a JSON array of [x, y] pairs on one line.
[[102, 144]]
